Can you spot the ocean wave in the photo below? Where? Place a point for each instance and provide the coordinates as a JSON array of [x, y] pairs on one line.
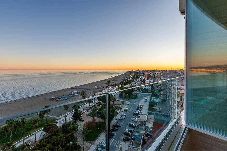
[[16, 86]]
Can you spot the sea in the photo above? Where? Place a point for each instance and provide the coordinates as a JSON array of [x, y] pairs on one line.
[[16, 84]]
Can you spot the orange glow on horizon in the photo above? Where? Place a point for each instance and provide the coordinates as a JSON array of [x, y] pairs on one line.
[[123, 67]]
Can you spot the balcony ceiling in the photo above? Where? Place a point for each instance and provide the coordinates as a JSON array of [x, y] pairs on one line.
[[215, 9]]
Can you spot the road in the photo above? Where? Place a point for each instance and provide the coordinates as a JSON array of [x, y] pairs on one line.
[[118, 137]]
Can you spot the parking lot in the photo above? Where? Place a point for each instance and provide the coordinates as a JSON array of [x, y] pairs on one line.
[[122, 130]]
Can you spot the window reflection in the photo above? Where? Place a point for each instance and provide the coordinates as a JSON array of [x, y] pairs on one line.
[[207, 66]]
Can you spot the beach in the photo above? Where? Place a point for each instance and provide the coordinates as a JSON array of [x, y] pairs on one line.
[[35, 103]]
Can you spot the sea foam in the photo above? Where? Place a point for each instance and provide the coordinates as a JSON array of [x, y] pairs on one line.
[[15, 86]]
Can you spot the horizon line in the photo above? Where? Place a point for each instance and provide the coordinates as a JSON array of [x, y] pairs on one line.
[[132, 69]]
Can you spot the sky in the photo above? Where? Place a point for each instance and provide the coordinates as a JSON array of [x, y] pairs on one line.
[[91, 34]]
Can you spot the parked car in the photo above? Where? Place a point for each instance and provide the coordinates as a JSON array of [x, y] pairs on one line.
[[126, 133], [134, 119], [117, 125], [130, 130], [132, 125], [148, 134], [111, 134], [101, 146], [126, 138], [136, 113], [139, 108], [123, 114], [114, 129], [122, 117], [126, 109]]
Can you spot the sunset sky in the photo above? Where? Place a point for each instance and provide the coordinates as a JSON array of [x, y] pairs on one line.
[[91, 34]]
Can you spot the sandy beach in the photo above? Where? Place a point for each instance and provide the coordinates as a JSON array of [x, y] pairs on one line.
[[40, 101]]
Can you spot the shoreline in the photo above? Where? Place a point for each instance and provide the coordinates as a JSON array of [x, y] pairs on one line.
[[73, 87], [29, 104]]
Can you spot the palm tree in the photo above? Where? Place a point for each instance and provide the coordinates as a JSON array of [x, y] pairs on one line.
[[94, 113], [11, 124], [66, 107], [89, 102], [83, 94], [108, 82], [77, 115], [41, 115]]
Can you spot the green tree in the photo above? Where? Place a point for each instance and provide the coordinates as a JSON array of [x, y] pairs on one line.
[[83, 94], [77, 115], [50, 128], [89, 102], [112, 99], [66, 107], [69, 127], [108, 82], [93, 113]]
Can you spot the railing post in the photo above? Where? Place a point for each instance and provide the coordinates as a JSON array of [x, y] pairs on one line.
[[107, 122], [176, 98]]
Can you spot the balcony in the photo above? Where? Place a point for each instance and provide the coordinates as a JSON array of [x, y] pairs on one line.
[[195, 140]]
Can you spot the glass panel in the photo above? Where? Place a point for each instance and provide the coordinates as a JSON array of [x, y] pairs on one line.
[[206, 66], [137, 116], [141, 114]]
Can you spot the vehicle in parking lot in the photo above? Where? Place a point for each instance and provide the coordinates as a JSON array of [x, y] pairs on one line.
[[116, 125], [132, 125], [134, 119], [139, 108], [101, 146], [111, 134], [130, 130], [125, 109], [114, 129], [148, 134], [122, 117], [126, 133], [126, 138], [136, 113]]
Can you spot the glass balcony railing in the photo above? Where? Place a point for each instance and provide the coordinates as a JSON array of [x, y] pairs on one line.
[[206, 78], [130, 118]]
